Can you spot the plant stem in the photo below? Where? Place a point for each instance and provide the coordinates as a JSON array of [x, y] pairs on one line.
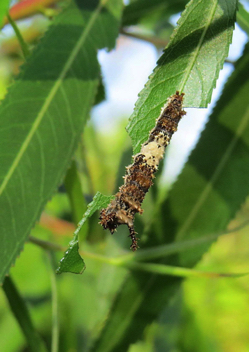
[[131, 261], [23, 44], [162, 269], [55, 320], [165, 250], [150, 39], [21, 313], [157, 252], [46, 244]]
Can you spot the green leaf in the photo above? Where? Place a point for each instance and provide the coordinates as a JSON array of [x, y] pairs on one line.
[[72, 261], [190, 63], [100, 95], [4, 4], [243, 18], [21, 313], [135, 11], [208, 193], [43, 115], [22, 43]]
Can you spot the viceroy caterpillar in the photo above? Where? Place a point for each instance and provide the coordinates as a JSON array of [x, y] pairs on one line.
[[139, 175]]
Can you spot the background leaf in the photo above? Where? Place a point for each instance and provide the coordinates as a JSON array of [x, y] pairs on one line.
[[190, 63], [4, 4], [21, 313], [137, 10], [206, 196], [43, 115], [243, 18]]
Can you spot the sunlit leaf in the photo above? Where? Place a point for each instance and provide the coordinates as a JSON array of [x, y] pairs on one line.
[[190, 63]]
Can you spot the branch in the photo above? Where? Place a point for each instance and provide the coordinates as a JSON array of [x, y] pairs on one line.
[[162, 269], [144, 254], [150, 39]]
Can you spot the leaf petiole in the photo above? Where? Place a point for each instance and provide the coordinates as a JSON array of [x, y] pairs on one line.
[[23, 44]]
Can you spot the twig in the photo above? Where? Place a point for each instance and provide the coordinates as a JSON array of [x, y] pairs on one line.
[[55, 320], [162, 269], [230, 62], [157, 252], [151, 39], [46, 244]]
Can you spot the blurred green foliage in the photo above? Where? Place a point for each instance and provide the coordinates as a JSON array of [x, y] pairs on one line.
[[201, 314]]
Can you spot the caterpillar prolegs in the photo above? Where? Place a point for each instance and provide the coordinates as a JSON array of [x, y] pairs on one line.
[[139, 175]]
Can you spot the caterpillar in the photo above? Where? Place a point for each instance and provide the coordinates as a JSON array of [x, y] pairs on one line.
[[139, 175]]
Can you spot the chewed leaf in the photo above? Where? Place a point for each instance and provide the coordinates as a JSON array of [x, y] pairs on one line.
[[190, 63], [72, 261]]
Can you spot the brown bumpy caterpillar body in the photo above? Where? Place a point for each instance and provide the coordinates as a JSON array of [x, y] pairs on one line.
[[139, 175]]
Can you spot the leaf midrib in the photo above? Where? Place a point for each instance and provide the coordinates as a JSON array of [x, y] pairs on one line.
[[50, 97]]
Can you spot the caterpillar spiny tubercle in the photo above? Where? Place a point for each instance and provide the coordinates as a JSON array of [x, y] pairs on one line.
[[139, 175]]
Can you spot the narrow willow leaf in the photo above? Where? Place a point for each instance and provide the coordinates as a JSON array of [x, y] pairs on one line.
[[43, 115], [243, 18], [208, 193], [190, 63], [21, 313], [72, 261]]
